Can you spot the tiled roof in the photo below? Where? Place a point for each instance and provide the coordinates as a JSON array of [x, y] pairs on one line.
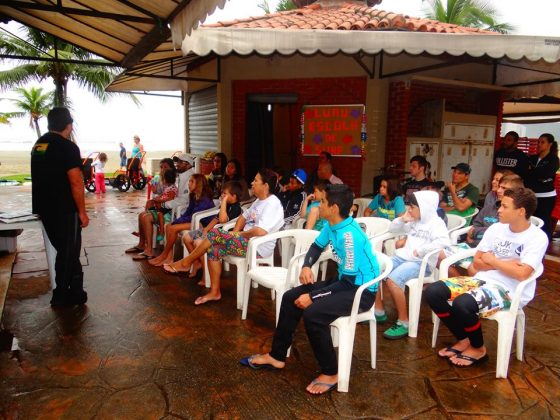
[[344, 16]]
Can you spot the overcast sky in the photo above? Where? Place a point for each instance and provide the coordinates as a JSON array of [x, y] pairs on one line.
[[159, 121]]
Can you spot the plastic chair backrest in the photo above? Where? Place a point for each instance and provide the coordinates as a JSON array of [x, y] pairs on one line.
[[362, 204], [374, 226], [455, 222], [538, 222]]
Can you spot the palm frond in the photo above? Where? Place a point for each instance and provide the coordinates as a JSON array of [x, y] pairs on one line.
[[19, 75]]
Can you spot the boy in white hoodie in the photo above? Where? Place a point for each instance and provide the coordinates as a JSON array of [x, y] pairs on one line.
[[426, 232]]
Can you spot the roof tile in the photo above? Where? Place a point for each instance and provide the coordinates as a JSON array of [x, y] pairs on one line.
[[344, 16]]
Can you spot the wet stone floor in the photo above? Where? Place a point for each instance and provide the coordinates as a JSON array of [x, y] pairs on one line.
[[141, 349]]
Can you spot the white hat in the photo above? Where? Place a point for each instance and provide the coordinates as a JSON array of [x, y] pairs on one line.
[[185, 158]]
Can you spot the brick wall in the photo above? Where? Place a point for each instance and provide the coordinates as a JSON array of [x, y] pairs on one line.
[[327, 91], [397, 124]]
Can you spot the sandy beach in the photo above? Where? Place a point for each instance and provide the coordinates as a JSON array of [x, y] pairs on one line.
[[17, 162]]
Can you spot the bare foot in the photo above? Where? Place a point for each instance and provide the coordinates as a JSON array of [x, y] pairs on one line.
[[201, 300], [266, 359], [161, 261], [156, 261], [195, 268], [322, 384]]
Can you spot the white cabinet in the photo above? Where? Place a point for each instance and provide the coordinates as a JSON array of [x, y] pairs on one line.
[[452, 131], [465, 138], [478, 155]]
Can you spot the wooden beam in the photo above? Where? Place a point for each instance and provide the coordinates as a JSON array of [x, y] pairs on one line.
[[152, 39], [16, 4]]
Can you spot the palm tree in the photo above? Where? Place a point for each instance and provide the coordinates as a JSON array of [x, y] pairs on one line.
[[473, 13], [94, 77], [32, 102]]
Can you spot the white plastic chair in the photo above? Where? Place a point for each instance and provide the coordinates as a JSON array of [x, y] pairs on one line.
[[362, 204], [471, 217], [195, 224], [343, 329], [273, 277], [455, 222], [415, 287], [507, 319], [537, 221], [375, 228], [241, 265]]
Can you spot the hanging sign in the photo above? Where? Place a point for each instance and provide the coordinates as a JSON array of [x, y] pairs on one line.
[[337, 129]]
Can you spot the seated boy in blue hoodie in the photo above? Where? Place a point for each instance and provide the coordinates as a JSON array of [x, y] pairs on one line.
[[426, 232]]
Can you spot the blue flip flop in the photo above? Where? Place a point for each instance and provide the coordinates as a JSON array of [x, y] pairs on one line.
[[473, 361], [450, 350], [247, 361], [330, 387]]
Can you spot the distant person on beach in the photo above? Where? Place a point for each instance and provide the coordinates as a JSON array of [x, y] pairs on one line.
[[138, 148], [122, 155], [55, 160], [99, 165]]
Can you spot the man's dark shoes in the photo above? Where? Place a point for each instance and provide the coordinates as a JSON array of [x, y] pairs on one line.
[[67, 299]]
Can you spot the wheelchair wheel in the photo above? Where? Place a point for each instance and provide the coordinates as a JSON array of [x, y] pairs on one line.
[[122, 182], [90, 185], [140, 183]]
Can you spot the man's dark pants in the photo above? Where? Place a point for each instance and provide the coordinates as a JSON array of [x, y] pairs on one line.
[[65, 234]]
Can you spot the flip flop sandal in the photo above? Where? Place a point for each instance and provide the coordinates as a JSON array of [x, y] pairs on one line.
[[248, 361], [450, 350], [473, 361], [133, 250], [169, 269], [142, 257], [330, 387]]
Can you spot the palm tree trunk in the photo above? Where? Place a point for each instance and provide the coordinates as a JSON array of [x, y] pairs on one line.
[[37, 129]]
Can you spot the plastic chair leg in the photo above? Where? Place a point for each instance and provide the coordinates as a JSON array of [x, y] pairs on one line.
[[505, 337], [241, 274], [414, 301], [345, 347], [246, 289], [520, 337], [279, 295], [435, 329], [373, 342]]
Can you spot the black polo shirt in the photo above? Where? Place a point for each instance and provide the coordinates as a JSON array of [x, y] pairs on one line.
[[52, 157]]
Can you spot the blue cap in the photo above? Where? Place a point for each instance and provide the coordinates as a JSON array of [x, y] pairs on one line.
[[300, 175]]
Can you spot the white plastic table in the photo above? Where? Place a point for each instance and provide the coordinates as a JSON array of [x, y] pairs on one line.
[[49, 248]]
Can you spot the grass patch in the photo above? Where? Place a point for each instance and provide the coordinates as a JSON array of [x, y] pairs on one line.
[[19, 178]]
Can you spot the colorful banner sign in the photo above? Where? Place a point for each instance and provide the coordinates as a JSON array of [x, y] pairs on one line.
[[337, 129]]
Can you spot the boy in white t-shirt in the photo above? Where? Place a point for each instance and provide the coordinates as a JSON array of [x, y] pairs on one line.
[[510, 251]]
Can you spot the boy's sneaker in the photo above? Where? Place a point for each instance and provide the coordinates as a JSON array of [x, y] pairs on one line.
[[159, 238], [381, 319], [396, 331]]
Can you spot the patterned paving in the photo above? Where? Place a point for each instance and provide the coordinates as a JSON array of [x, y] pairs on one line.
[[141, 349]]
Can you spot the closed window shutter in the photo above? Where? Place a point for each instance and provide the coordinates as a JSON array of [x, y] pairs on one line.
[[203, 121]]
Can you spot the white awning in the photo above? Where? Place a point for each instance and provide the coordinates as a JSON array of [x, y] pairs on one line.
[[243, 41], [190, 17], [529, 65]]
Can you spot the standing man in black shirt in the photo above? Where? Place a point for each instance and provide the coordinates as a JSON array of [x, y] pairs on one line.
[[509, 157], [58, 197]]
